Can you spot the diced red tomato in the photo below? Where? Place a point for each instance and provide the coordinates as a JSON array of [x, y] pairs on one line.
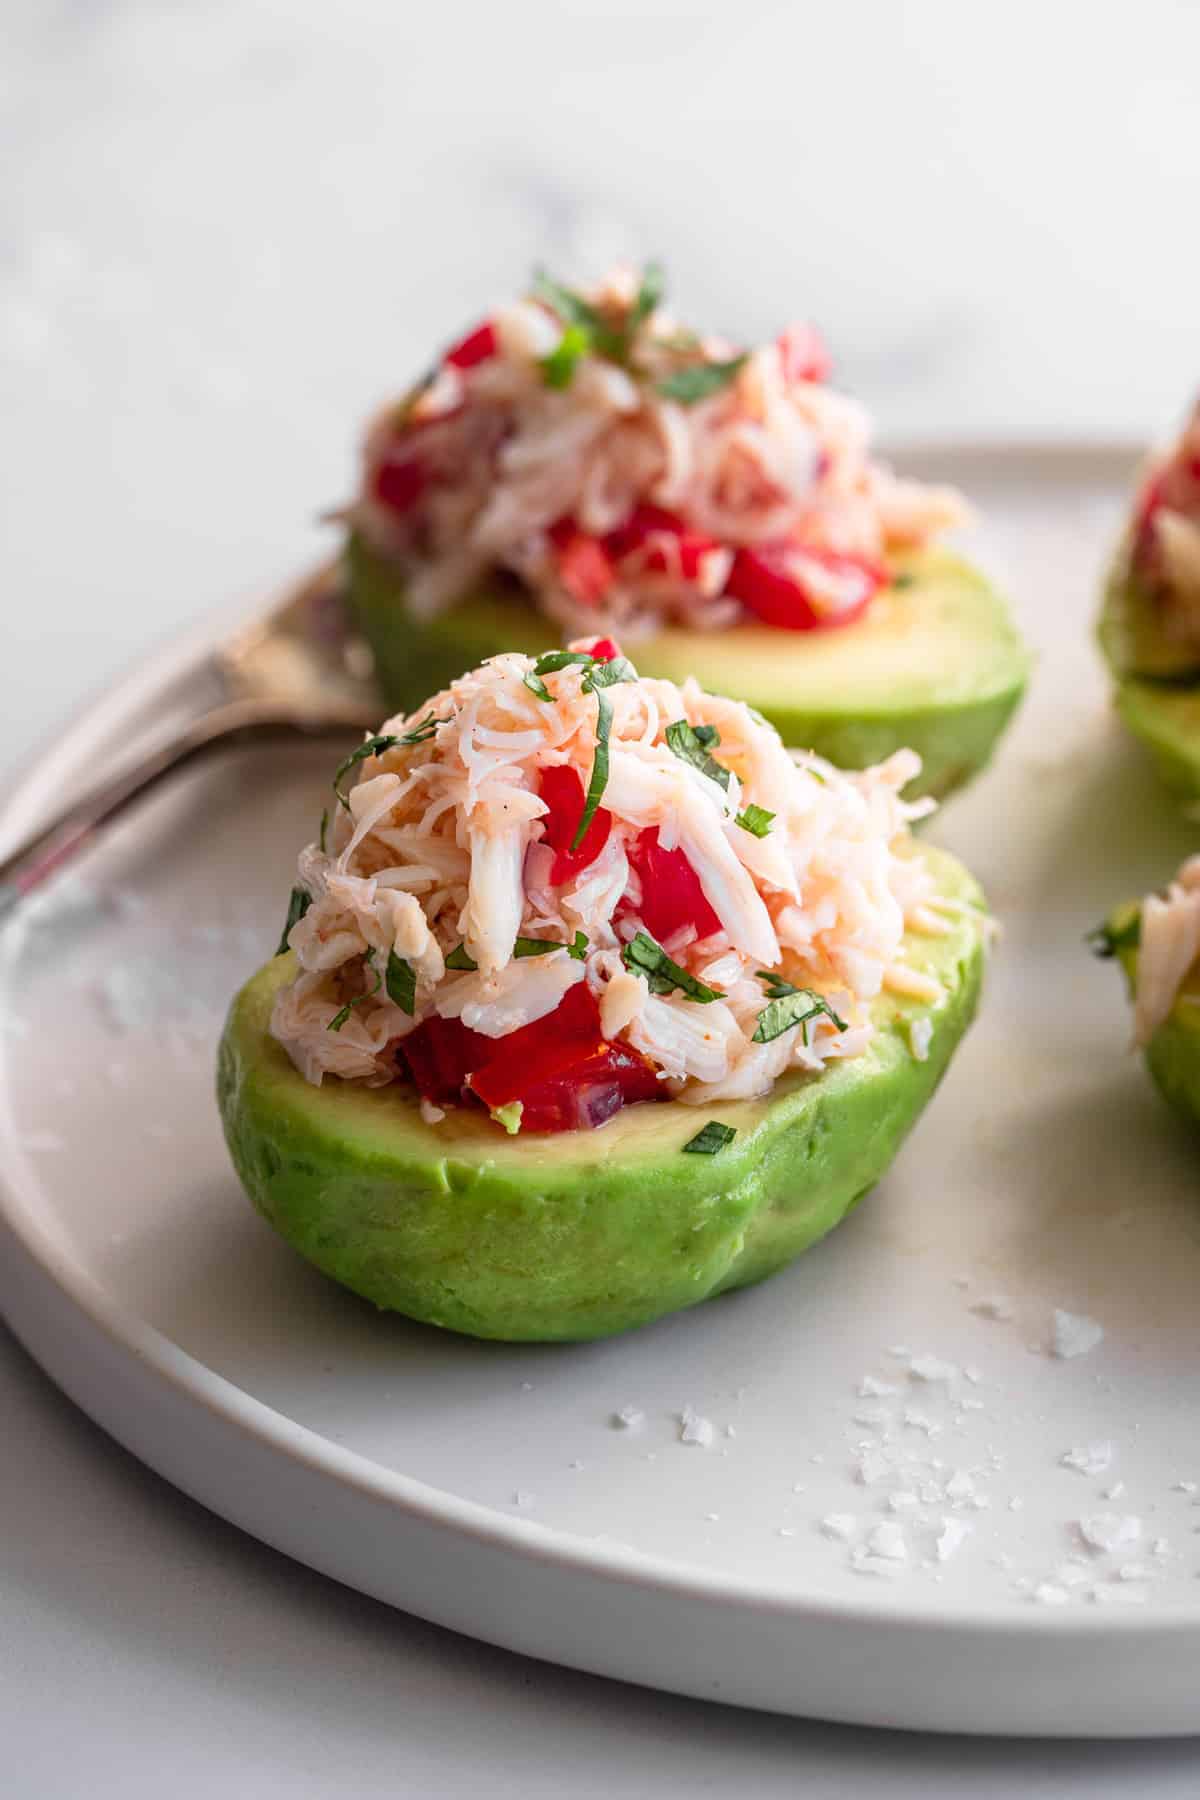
[[584, 565], [662, 542], [563, 1070], [398, 485], [562, 790], [440, 1054], [767, 582], [478, 346], [605, 649], [672, 897], [803, 354]]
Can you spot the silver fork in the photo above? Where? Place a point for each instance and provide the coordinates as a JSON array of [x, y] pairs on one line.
[[296, 671]]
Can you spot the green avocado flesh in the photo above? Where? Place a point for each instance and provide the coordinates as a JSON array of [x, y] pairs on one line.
[[935, 664], [579, 1234], [1173, 1053], [1157, 680]]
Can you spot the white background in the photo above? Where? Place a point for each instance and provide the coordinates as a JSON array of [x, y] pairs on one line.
[[225, 230]]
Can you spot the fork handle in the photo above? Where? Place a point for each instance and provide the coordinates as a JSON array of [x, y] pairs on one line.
[[238, 722]]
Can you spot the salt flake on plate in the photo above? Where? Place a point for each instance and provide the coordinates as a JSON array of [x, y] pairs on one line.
[[1106, 1531], [1089, 1459], [1074, 1334], [694, 1429]]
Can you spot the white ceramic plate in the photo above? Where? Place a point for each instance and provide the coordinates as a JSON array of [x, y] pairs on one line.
[[486, 1487]]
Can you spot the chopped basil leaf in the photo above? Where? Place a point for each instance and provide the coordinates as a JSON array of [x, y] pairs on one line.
[[649, 294], [460, 958], [777, 987], [691, 745], [788, 1010], [645, 957], [376, 746], [339, 1018], [558, 368], [573, 309], [598, 780], [756, 820], [324, 831], [299, 902], [1109, 939], [401, 983], [510, 1116], [712, 1137], [551, 661], [604, 674], [700, 381], [578, 948], [536, 685], [537, 946]]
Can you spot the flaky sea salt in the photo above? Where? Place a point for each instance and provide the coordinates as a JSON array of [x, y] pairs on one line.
[[1106, 1532], [871, 1388], [1074, 1334], [630, 1418], [694, 1429], [994, 1306], [951, 1537], [1089, 1459], [931, 1368], [841, 1526], [888, 1540]]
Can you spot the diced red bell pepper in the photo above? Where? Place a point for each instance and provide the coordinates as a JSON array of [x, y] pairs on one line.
[[662, 542], [439, 1055], [584, 565], [803, 354], [477, 347], [768, 582], [563, 1071], [398, 485], [672, 897], [562, 790]]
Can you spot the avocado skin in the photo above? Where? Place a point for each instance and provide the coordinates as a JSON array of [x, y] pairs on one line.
[[1173, 1053], [952, 716], [1157, 682], [579, 1235]]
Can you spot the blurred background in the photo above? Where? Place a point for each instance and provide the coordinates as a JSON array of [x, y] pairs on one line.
[[228, 228]]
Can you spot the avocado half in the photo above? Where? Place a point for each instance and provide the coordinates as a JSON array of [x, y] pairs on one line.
[[1157, 679], [1173, 1053], [579, 1234], [935, 665]]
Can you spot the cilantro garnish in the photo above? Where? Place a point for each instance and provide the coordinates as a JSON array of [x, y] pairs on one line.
[[299, 902], [789, 1006], [609, 336], [756, 820], [598, 675], [649, 294], [645, 957], [401, 981], [339, 1018], [376, 746], [558, 368], [710, 1138], [461, 958], [691, 744], [700, 381], [1110, 939]]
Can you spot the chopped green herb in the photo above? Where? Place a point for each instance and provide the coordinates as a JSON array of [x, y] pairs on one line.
[[710, 1138], [777, 987], [339, 1018], [574, 310], [791, 1009], [700, 381], [756, 820], [578, 948], [324, 831], [608, 673], [598, 779], [536, 685], [510, 1116], [551, 661], [691, 744], [537, 946], [299, 902], [904, 579], [649, 294], [645, 957], [558, 368], [1110, 938], [401, 983], [460, 958]]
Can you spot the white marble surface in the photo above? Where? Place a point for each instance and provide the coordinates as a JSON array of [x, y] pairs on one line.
[[226, 228]]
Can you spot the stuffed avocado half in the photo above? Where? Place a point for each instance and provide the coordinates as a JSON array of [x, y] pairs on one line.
[[583, 464], [1149, 627], [592, 1001], [1157, 943], [582, 1234]]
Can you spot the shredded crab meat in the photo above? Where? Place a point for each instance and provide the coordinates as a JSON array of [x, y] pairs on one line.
[[475, 470], [1168, 947], [439, 849]]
